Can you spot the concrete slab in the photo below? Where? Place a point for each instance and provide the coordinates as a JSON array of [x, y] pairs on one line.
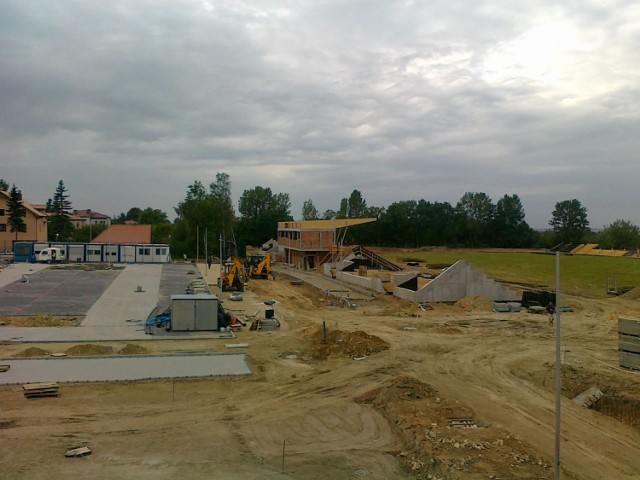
[[14, 271], [62, 291], [121, 302], [123, 368]]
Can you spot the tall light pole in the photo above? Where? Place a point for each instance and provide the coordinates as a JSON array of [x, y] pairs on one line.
[[558, 370]]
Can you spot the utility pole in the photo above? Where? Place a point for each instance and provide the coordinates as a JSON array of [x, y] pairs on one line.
[[558, 370], [221, 242]]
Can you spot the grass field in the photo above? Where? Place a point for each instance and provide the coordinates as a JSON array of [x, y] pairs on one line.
[[579, 274]]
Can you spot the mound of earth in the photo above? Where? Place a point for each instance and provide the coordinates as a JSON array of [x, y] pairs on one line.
[[132, 349], [346, 344], [442, 439], [476, 304], [33, 352], [41, 320], [89, 349], [399, 388]]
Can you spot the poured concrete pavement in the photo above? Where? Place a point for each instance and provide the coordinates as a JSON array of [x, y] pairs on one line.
[[122, 368]]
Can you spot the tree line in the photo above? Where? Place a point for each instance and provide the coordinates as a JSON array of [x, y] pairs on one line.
[[207, 214]]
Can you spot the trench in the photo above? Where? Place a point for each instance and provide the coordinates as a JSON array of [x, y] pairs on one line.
[[619, 407]]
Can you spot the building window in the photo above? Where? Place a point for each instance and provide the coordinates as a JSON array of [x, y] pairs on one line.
[[3, 227], [144, 251], [1, 212]]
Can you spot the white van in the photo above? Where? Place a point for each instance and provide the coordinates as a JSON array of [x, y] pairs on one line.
[[52, 255]]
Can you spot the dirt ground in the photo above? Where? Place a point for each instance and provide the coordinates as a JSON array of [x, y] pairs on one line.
[[389, 392]]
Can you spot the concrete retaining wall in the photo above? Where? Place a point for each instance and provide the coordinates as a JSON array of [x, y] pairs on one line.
[[456, 282], [371, 283]]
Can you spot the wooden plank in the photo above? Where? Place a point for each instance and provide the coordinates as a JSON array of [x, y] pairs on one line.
[[629, 343], [38, 386], [629, 360], [629, 326]]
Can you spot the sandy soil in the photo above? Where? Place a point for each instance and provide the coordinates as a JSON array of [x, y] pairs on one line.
[[456, 392]]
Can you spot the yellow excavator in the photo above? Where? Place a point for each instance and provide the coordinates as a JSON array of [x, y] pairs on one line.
[[232, 276], [258, 266]]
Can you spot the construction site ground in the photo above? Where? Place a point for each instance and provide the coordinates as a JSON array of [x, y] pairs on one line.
[[391, 391]]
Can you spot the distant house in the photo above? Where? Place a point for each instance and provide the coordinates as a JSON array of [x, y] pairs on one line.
[[85, 218], [35, 224], [125, 234]]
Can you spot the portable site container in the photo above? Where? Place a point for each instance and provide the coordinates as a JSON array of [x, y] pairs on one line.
[[194, 312]]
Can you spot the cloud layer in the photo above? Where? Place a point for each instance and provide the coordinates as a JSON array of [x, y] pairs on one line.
[[129, 102]]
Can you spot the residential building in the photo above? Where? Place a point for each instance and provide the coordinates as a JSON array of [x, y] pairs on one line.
[[85, 218], [35, 224]]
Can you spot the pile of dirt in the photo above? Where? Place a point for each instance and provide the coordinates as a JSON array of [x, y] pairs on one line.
[[89, 349], [442, 439], [41, 320], [33, 352], [133, 349], [399, 388], [346, 344], [476, 304]]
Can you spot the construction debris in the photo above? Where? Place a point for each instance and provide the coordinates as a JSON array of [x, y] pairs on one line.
[[589, 397], [78, 452]]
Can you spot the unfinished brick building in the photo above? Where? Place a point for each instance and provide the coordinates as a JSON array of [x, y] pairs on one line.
[[308, 244]]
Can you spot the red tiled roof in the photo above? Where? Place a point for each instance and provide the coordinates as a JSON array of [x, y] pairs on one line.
[[120, 234]]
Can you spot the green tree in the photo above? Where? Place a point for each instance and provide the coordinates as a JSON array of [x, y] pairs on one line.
[[435, 223], [569, 222], [260, 211], [475, 211], [152, 216], [398, 224], [329, 214], [357, 206], [201, 217], [508, 228], [353, 207], [4, 186], [620, 235], [60, 226], [86, 233], [344, 209], [17, 212], [309, 211]]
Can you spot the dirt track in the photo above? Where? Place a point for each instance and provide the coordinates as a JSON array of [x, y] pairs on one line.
[[386, 416]]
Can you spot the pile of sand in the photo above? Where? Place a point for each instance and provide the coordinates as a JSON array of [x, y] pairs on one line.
[[33, 352], [346, 344], [133, 349], [476, 304], [89, 349]]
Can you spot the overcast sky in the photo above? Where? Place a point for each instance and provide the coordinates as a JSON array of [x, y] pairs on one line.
[[129, 102]]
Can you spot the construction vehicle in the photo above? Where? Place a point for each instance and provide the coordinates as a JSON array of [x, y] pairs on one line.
[[232, 276], [258, 266]]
